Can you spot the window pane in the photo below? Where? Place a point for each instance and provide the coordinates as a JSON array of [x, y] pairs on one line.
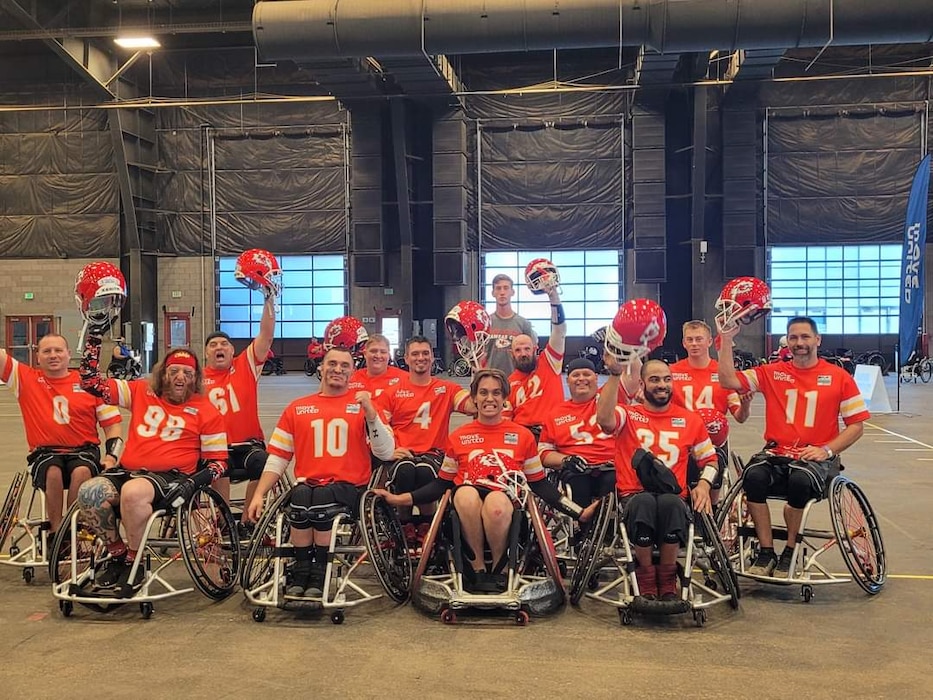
[[328, 295], [567, 258], [234, 295], [330, 278], [329, 262], [297, 296], [295, 262], [236, 330], [852, 292]]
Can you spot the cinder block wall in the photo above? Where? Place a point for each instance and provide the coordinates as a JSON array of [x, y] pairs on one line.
[[194, 278], [52, 285]]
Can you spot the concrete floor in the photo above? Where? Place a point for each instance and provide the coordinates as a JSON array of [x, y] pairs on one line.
[[843, 643]]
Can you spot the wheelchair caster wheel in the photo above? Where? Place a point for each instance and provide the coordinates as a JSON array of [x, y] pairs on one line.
[[448, 617], [145, 610], [806, 592], [337, 617], [699, 617], [67, 607], [259, 614], [562, 568], [521, 618], [625, 617], [593, 583], [14, 550], [28, 574]]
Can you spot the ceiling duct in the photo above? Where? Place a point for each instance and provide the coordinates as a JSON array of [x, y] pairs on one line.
[[308, 29]]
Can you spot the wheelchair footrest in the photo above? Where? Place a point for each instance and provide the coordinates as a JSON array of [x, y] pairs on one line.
[[659, 607]]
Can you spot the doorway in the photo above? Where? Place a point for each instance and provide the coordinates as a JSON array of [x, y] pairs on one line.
[[177, 329], [23, 333], [388, 322]]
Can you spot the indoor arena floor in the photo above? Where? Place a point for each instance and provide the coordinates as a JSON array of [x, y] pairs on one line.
[[842, 643]]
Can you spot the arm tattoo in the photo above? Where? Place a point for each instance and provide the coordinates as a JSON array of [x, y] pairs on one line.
[[97, 498]]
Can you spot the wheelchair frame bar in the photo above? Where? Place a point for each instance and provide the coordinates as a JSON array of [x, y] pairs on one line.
[[70, 590], [34, 527]]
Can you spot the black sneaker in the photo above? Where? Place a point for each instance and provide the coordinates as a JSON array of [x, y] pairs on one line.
[[111, 571], [129, 583], [315, 585], [782, 570], [298, 579], [764, 564]]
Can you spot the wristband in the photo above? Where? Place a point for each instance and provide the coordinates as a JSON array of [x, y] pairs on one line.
[[560, 314], [114, 447], [829, 452]]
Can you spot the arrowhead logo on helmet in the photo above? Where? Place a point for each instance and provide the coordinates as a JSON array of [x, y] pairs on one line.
[[258, 269], [345, 332], [743, 300], [716, 425], [638, 327], [467, 322], [541, 276]]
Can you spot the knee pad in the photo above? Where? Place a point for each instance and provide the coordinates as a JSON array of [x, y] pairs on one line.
[[299, 511], [255, 462], [756, 481], [671, 538], [644, 536], [799, 488]]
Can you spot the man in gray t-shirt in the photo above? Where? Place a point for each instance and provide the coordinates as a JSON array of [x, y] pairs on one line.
[[504, 325]]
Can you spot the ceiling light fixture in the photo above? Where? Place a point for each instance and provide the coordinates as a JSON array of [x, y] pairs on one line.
[[137, 42]]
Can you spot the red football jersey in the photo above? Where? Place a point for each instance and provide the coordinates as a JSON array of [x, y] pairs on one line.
[[361, 381], [235, 394], [164, 435], [671, 435], [572, 429], [514, 443], [700, 388], [56, 412], [803, 406], [327, 437], [533, 395], [420, 415]]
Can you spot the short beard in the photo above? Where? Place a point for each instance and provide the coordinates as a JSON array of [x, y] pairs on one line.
[[649, 398], [526, 364]]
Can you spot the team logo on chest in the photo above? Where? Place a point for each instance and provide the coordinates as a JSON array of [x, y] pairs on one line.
[[824, 380], [353, 408], [510, 438], [191, 410], [678, 422]]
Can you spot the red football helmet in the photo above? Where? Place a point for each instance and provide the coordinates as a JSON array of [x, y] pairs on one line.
[[100, 291], [638, 328], [716, 425], [743, 300], [258, 269], [468, 325], [345, 332], [541, 276], [500, 472]]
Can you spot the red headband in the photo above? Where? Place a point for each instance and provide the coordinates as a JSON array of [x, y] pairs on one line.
[[182, 357]]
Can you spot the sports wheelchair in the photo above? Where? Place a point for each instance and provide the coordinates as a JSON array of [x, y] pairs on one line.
[[201, 532], [855, 531], [533, 580], [28, 531], [605, 569], [375, 538]]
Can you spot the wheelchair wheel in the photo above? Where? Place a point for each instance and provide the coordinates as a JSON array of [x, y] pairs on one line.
[[116, 370], [588, 558], [207, 537], [11, 505], [718, 559], [540, 555], [858, 534], [460, 368], [385, 543], [310, 367], [925, 370], [262, 552], [89, 549], [731, 514]]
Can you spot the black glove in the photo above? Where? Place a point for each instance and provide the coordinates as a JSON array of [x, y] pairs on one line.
[[180, 493], [573, 465]]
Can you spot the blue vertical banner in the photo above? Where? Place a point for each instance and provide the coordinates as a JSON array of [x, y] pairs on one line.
[[915, 238]]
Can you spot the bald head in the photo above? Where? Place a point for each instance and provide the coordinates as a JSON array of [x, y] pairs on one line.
[[524, 353]]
